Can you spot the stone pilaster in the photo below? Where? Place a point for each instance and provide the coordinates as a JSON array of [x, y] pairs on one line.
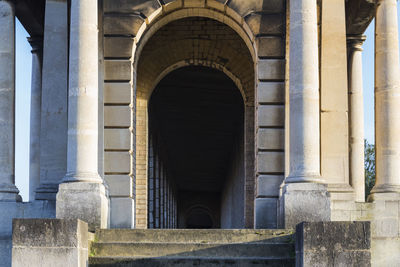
[[53, 121], [36, 43], [356, 114], [8, 190], [82, 195], [387, 99], [303, 197]]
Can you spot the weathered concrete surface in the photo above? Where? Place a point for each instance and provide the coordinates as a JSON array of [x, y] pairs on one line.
[[50, 242], [333, 244]]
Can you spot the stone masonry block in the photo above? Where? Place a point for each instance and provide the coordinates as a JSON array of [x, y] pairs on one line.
[[116, 162], [271, 69], [118, 47], [119, 185], [122, 25], [301, 202], [117, 70], [268, 185], [271, 92], [271, 115], [266, 23], [271, 138], [271, 162], [266, 213], [117, 116], [245, 7], [117, 139], [270, 46], [135, 6], [117, 93], [122, 213], [50, 242], [344, 243]]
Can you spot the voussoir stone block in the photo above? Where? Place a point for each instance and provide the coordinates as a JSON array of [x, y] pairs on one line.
[[146, 7], [270, 46], [266, 23], [118, 47], [245, 7], [122, 25]]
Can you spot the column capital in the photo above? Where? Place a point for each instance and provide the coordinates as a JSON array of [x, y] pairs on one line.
[[36, 43], [355, 41]]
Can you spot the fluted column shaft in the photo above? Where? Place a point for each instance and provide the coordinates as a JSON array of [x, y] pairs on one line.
[[304, 93], [36, 100], [8, 190], [387, 98], [356, 112], [83, 118]]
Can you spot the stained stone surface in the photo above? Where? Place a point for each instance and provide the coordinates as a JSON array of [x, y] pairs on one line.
[[333, 244]]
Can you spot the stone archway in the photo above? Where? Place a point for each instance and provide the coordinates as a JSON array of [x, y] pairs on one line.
[[195, 41]]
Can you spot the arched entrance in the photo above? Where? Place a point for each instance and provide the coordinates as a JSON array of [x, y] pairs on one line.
[[205, 50], [196, 131]]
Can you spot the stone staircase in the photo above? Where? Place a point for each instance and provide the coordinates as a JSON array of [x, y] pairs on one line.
[[161, 247]]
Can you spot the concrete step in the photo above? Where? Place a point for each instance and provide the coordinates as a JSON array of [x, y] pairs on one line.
[[252, 249], [220, 236], [188, 261]]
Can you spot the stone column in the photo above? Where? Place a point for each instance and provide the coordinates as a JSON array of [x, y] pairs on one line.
[[304, 197], [36, 100], [356, 112], [8, 190], [387, 98], [82, 195], [53, 121]]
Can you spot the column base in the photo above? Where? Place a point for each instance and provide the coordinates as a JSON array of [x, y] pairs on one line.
[[303, 202], [9, 192], [386, 188], [85, 201], [395, 196], [46, 192]]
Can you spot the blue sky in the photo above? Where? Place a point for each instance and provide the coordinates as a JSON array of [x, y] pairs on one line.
[[23, 80]]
